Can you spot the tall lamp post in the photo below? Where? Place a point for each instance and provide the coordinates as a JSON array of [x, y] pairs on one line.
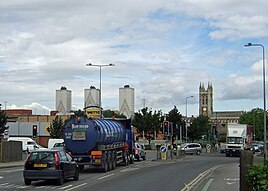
[[100, 66], [264, 97], [186, 130]]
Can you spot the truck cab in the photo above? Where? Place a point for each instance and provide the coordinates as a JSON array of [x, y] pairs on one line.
[[238, 137]]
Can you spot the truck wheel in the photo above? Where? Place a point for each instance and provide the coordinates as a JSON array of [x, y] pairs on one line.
[[126, 159], [110, 162], [27, 182], [113, 161], [81, 167], [105, 166]]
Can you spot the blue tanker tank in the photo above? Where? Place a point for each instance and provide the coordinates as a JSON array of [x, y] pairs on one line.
[[82, 135]]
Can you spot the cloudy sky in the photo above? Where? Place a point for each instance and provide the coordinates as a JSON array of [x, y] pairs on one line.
[[162, 48]]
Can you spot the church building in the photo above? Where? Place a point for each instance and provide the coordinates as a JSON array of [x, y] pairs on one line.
[[218, 119]]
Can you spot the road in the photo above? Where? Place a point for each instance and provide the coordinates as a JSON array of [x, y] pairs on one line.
[[142, 175]]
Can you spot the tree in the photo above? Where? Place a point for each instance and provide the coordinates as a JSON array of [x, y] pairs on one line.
[[110, 114], [56, 128], [199, 127], [3, 122], [147, 122], [254, 118], [175, 117]]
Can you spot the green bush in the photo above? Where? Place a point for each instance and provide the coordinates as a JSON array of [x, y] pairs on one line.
[[257, 176]]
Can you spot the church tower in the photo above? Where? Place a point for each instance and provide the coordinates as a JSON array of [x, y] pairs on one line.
[[206, 100]]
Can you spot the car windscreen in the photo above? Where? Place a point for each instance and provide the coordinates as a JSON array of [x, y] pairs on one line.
[[30, 143], [41, 156], [58, 145]]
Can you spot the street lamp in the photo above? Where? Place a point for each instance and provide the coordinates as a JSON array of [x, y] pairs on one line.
[[186, 135], [264, 96], [100, 66]]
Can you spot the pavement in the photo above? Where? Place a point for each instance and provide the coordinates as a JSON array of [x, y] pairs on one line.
[[11, 164], [220, 178]]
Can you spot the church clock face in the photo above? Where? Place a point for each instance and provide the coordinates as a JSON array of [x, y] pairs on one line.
[[204, 109]]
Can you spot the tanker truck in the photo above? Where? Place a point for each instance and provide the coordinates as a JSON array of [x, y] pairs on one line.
[[101, 143]]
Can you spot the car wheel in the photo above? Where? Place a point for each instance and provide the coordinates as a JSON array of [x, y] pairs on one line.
[[76, 175], [144, 158], [60, 181], [198, 152], [27, 182]]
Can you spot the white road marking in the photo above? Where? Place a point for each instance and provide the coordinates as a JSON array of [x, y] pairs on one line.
[[1, 177], [15, 170], [106, 176], [129, 169], [229, 183], [3, 184], [76, 187], [66, 187]]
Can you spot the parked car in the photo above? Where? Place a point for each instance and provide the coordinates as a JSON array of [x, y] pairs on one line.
[[191, 148], [139, 151], [256, 147], [223, 148], [49, 164], [28, 144], [51, 142]]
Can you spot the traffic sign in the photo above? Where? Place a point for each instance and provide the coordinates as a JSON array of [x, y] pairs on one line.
[[163, 149]]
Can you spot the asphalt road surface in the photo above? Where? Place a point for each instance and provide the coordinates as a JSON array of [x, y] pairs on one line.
[[149, 175]]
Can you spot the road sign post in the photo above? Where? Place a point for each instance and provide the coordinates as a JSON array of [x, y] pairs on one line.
[[163, 151]]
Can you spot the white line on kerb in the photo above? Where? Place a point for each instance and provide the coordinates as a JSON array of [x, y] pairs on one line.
[[106, 176], [76, 187]]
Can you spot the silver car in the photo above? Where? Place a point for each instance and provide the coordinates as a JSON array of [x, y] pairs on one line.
[[139, 152], [191, 148]]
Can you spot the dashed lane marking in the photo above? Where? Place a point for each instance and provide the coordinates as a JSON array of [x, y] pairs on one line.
[[105, 176], [207, 184], [65, 187], [129, 169], [75, 187]]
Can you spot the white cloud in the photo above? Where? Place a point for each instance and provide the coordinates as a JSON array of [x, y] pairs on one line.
[[163, 49]]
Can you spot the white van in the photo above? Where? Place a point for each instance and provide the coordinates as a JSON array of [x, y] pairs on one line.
[[28, 144], [52, 142]]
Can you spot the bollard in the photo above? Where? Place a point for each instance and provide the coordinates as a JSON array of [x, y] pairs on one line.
[[246, 160]]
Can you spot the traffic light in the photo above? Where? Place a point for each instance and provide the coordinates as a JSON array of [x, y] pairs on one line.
[[165, 128], [34, 131]]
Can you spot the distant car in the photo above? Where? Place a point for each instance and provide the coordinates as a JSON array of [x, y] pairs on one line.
[[50, 164], [139, 152], [191, 148], [51, 142], [223, 148], [58, 146], [28, 144], [255, 147]]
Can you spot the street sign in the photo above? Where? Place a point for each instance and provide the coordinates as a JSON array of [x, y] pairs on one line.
[[163, 151]]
